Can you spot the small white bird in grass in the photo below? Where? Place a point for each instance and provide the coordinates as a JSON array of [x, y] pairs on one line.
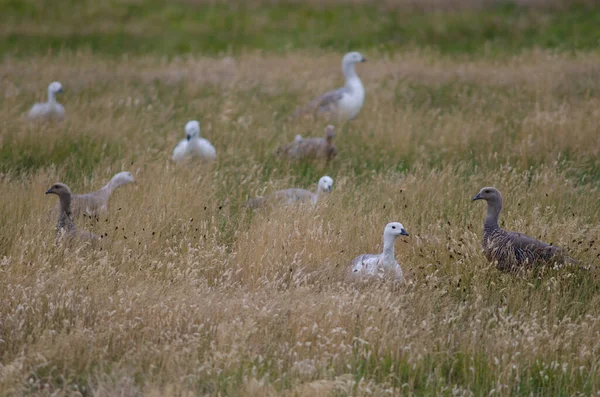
[[368, 265], [50, 109], [344, 103], [293, 195], [193, 146]]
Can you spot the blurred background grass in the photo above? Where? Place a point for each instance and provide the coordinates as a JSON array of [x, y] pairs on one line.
[[168, 28]]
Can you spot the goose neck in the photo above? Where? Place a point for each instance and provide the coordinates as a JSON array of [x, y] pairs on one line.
[[388, 249], [51, 96], [65, 221], [492, 214], [349, 72]]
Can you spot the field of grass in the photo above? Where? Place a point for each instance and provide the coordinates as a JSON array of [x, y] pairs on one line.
[[192, 294]]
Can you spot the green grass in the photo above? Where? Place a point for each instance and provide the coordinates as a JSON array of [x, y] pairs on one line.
[[80, 154], [174, 28]]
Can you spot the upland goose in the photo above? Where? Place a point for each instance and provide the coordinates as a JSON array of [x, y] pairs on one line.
[[193, 146], [65, 225], [380, 265], [294, 195], [511, 250], [310, 148], [344, 103], [50, 109]]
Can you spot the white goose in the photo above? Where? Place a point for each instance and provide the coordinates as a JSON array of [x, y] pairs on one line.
[[344, 103], [369, 265], [293, 195], [50, 109], [193, 145]]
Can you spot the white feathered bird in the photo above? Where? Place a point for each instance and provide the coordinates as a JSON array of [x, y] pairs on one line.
[[369, 265], [193, 146], [344, 103], [293, 195], [50, 109]]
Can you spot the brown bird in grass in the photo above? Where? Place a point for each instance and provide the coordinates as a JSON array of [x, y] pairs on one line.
[[512, 250], [310, 148], [65, 225]]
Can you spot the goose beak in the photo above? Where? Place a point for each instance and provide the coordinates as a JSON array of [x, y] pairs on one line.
[[188, 137], [403, 232], [478, 197], [60, 90], [363, 60], [49, 191]]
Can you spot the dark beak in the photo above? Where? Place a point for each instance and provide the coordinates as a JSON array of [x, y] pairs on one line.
[[49, 191], [403, 232], [364, 60], [478, 197], [188, 137], [60, 90]]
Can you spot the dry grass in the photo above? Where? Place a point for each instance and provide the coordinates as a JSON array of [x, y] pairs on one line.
[[191, 294]]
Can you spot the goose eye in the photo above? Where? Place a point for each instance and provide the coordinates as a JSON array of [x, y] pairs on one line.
[[393, 227]]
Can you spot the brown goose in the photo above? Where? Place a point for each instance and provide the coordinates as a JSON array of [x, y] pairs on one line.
[[310, 148], [65, 222], [511, 250]]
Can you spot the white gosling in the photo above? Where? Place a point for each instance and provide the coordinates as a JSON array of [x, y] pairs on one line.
[[294, 195], [368, 265], [194, 146], [344, 103], [50, 109], [97, 202]]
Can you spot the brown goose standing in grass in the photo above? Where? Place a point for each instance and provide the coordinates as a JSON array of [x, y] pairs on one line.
[[512, 250], [65, 222], [310, 148]]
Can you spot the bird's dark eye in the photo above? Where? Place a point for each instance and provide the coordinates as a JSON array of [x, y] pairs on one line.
[[393, 227], [487, 191]]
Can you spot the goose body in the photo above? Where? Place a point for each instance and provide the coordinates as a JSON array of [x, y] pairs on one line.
[[344, 103], [65, 225], [383, 264], [194, 146], [51, 109], [97, 202], [310, 148], [293, 195], [510, 250]]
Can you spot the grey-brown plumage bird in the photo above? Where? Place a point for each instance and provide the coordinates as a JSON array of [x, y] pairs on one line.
[[293, 195], [310, 148], [512, 250], [95, 203], [65, 225]]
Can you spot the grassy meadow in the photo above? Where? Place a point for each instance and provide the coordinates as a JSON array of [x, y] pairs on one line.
[[192, 294]]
